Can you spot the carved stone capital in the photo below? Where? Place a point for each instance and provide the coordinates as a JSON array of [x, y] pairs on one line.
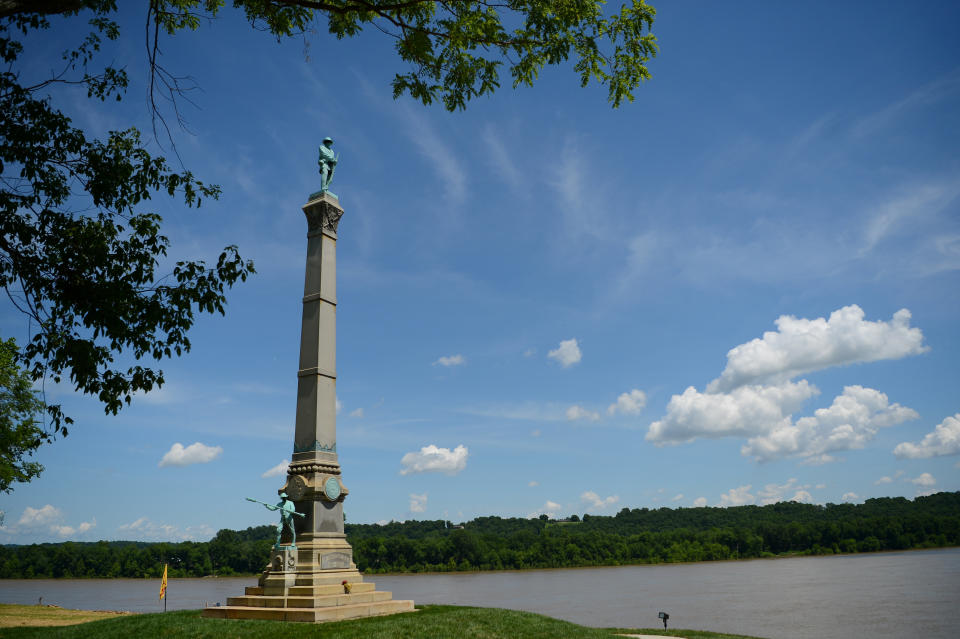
[[323, 214]]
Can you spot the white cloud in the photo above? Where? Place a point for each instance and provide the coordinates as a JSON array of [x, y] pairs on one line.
[[700, 502], [943, 440], [677, 497], [850, 497], [143, 529], [887, 479], [630, 403], [597, 502], [567, 353], [550, 508], [452, 360], [745, 411], [533, 483], [434, 459], [39, 516], [70, 531], [357, 412], [848, 424], [339, 406], [802, 346], [737, 497], [279, 470], [530, 352], [195, 453], [775, 493], [576, 412], [418, 503], [925, 480]]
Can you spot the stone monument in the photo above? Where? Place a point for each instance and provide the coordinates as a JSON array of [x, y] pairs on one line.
[[315, 579]]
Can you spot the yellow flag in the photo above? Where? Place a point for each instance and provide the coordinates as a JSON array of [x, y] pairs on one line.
[[163, 584]]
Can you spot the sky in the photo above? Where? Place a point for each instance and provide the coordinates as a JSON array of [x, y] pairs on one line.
[[741, 288]]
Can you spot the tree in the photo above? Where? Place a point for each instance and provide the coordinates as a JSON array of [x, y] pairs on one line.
[[20, 433], [75, 255], [79, 257]]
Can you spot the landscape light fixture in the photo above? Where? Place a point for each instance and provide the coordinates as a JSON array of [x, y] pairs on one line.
[[664, 616]]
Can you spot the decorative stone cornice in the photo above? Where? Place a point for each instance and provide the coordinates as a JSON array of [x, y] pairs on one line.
[[302, 468], [322, 215]]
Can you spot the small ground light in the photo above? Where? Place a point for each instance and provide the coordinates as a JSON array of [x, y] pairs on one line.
[[664, 616]]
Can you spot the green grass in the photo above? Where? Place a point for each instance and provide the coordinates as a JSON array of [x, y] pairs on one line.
[[430, 622]]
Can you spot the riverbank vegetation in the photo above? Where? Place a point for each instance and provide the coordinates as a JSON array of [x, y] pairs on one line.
[[632, 536], [428, 621]]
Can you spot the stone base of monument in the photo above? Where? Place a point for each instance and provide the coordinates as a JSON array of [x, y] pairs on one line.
[[306, 584]]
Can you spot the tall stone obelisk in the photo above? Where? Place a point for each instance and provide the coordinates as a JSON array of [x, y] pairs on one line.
[[315, 578]]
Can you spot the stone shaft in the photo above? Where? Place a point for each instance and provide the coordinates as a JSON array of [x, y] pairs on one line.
[[315, 461], [316, 579]]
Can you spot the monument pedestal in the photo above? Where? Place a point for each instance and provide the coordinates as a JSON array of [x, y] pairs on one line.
[[293, 591], [313, 578]]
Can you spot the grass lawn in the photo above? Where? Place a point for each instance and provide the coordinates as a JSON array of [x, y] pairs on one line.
[[429, 622]]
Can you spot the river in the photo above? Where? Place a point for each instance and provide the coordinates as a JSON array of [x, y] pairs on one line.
[[885, 595]]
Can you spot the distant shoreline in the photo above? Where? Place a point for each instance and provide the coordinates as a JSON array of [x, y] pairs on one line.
[[518, 570]]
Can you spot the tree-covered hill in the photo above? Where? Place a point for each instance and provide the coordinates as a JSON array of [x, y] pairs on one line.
[[637, 536]]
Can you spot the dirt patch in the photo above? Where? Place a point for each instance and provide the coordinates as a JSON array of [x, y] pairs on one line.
[[14, 615]]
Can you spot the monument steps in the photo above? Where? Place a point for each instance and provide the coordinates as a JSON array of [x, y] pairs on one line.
[[312, 615], [311, 591], [280, 601]]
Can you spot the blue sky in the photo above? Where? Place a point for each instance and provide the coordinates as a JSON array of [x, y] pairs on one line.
[[545, 305]]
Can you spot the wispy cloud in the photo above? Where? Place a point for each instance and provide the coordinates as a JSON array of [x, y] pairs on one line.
[[904, 209], [445, 163], [577, 413], [931, 93], [500, 159]]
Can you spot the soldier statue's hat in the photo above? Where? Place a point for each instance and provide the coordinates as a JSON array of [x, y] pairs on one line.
[[283, 495], [327, 139]]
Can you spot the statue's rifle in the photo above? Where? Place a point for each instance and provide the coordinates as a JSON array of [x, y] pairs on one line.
[[333, 168], [257, 501]]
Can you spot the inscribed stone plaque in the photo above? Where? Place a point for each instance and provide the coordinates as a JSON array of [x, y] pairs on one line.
[[333, 560]]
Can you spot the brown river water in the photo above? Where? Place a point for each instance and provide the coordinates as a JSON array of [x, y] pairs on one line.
[[885, 595]]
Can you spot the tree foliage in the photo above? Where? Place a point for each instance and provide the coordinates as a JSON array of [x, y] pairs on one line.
[[454, 50], [20, 430], [76, 255]]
